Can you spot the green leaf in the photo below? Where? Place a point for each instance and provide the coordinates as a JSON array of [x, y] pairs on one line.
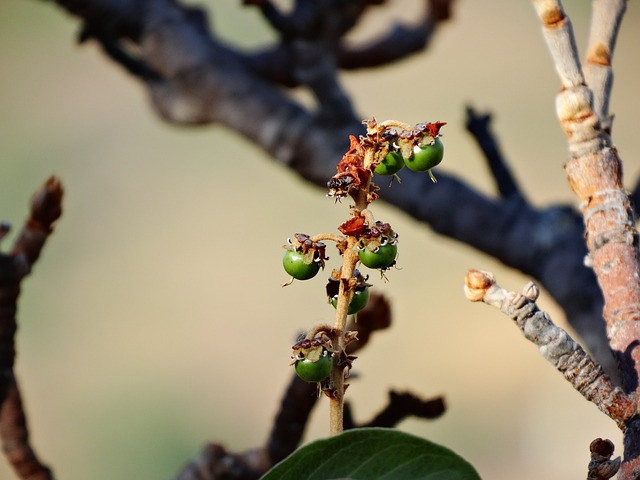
[[373, 453]]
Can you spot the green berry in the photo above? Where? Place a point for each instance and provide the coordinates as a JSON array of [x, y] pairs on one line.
[[426, 157], [317, 371], [391, 164], [300, 266], [382, 257], [358, 302]]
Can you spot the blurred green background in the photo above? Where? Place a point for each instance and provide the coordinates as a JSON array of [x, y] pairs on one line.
[[155, 320]]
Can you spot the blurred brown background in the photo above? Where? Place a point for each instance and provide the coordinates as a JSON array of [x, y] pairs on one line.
[[155, 320]]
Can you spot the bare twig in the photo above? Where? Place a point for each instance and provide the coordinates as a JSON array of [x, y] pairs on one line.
[[46, 208], [14, 435], [606, 17], [555, 345], [401, 406], [400, 42], [574, 104], [313, 20], [479, 126]]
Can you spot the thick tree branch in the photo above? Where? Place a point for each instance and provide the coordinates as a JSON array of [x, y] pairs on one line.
[[595, 175], [594, 171], [203, 80], [401, 42]]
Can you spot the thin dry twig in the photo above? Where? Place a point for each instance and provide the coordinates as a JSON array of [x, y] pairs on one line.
[[479, 126], [606, 17], [555, 345], [46, 208], [401, 405], [14, 435]]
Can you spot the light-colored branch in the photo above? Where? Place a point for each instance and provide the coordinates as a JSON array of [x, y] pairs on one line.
[[574, 104], [555, 344], [606, 17], [594, 171], [558, 33]]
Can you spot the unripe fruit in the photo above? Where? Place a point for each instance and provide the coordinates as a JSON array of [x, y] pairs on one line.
[[317, 371], [383, 257], [358, 302], [295, 264], [391, 164], [426, 157]]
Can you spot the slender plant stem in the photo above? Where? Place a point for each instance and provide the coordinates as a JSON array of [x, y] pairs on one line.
[[396, 124], [327, 236], [345, 294], [336, 403]]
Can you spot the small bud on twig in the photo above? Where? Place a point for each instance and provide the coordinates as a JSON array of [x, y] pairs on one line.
[[476, 284], [601, 467]]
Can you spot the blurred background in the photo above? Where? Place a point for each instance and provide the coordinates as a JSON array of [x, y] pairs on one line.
[[155, 320]]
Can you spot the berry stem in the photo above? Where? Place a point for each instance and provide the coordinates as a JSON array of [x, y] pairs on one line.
[[396, 124], [345, 293], [336, 403], [328, 236]]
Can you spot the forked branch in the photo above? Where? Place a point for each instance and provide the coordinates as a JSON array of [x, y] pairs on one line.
[[594, 172]]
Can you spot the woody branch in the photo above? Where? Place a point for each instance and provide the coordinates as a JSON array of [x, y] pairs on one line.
[[14, 435], [554, 344]]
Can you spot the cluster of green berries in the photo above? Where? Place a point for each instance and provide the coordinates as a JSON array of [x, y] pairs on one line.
[[304, 258], [385, 150], [378, 248]]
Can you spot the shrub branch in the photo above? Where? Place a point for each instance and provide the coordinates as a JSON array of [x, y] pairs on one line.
[[46, 208], [554, 344]]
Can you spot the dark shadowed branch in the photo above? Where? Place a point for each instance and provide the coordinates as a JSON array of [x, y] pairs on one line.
[[193, 77], [479, 126], [46, 208], [214, 461], [401, 405]]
